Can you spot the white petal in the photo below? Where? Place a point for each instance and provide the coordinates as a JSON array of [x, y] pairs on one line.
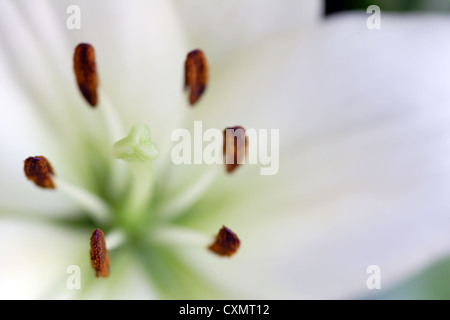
[[45, 261], [140, 49], [220, 27], [24, 132], [40, 64], [365, 182], [38, 117], [127, 280], [36, 257]]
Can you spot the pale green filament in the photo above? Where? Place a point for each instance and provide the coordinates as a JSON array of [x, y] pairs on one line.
[[94, 205], [179, 236], [137, 146]]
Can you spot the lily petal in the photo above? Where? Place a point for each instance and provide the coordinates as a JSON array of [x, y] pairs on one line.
[[24, 132], [236, 23], [366, 177], [140, 48], [36, 257]]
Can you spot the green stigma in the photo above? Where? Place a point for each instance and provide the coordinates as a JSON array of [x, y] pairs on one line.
[[137, 146]]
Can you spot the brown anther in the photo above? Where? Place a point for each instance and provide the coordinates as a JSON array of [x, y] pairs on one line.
[[226, 244], [85, 72], [39, 170], [196, 74], [99, 254], [235, 145]]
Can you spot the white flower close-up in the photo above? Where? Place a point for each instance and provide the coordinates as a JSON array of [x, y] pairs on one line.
[[364, 132]]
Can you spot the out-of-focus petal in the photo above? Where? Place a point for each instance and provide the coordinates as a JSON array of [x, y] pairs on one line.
[[140, 48], [36, 257], [365, 179], [25, 132], [222, 27]]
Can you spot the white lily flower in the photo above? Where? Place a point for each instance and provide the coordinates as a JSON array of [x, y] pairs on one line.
[[363, 174]]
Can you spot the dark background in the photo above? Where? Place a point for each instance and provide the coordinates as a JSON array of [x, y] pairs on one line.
[[334, 6]]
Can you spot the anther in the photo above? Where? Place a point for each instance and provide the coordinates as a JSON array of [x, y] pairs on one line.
[[99, 254], [235, 145], [85, 72], [196, 74], [226, 244], [39, 170]]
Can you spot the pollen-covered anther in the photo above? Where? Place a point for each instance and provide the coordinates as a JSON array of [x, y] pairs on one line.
[[235, 144], [99, 254], [196, 74], [85, 72], [39, 170], [227, 243]]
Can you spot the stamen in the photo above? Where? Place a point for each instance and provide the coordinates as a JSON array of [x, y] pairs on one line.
[[196, 74], [97, 208], [235, 145], [39, 170], [112, 119], [115, 128], [175, 206], [115, 239], [226, 244], [99, 254], [85, 72], [178, 236]]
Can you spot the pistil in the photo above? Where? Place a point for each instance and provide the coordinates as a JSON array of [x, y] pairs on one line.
[[138, 150]]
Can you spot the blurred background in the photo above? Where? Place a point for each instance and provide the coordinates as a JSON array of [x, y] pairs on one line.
[[434, 282]]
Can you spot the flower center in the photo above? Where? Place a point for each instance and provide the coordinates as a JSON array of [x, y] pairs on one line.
[[129, 210]]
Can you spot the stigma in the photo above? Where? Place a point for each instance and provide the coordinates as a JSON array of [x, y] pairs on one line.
[[137, 146]]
